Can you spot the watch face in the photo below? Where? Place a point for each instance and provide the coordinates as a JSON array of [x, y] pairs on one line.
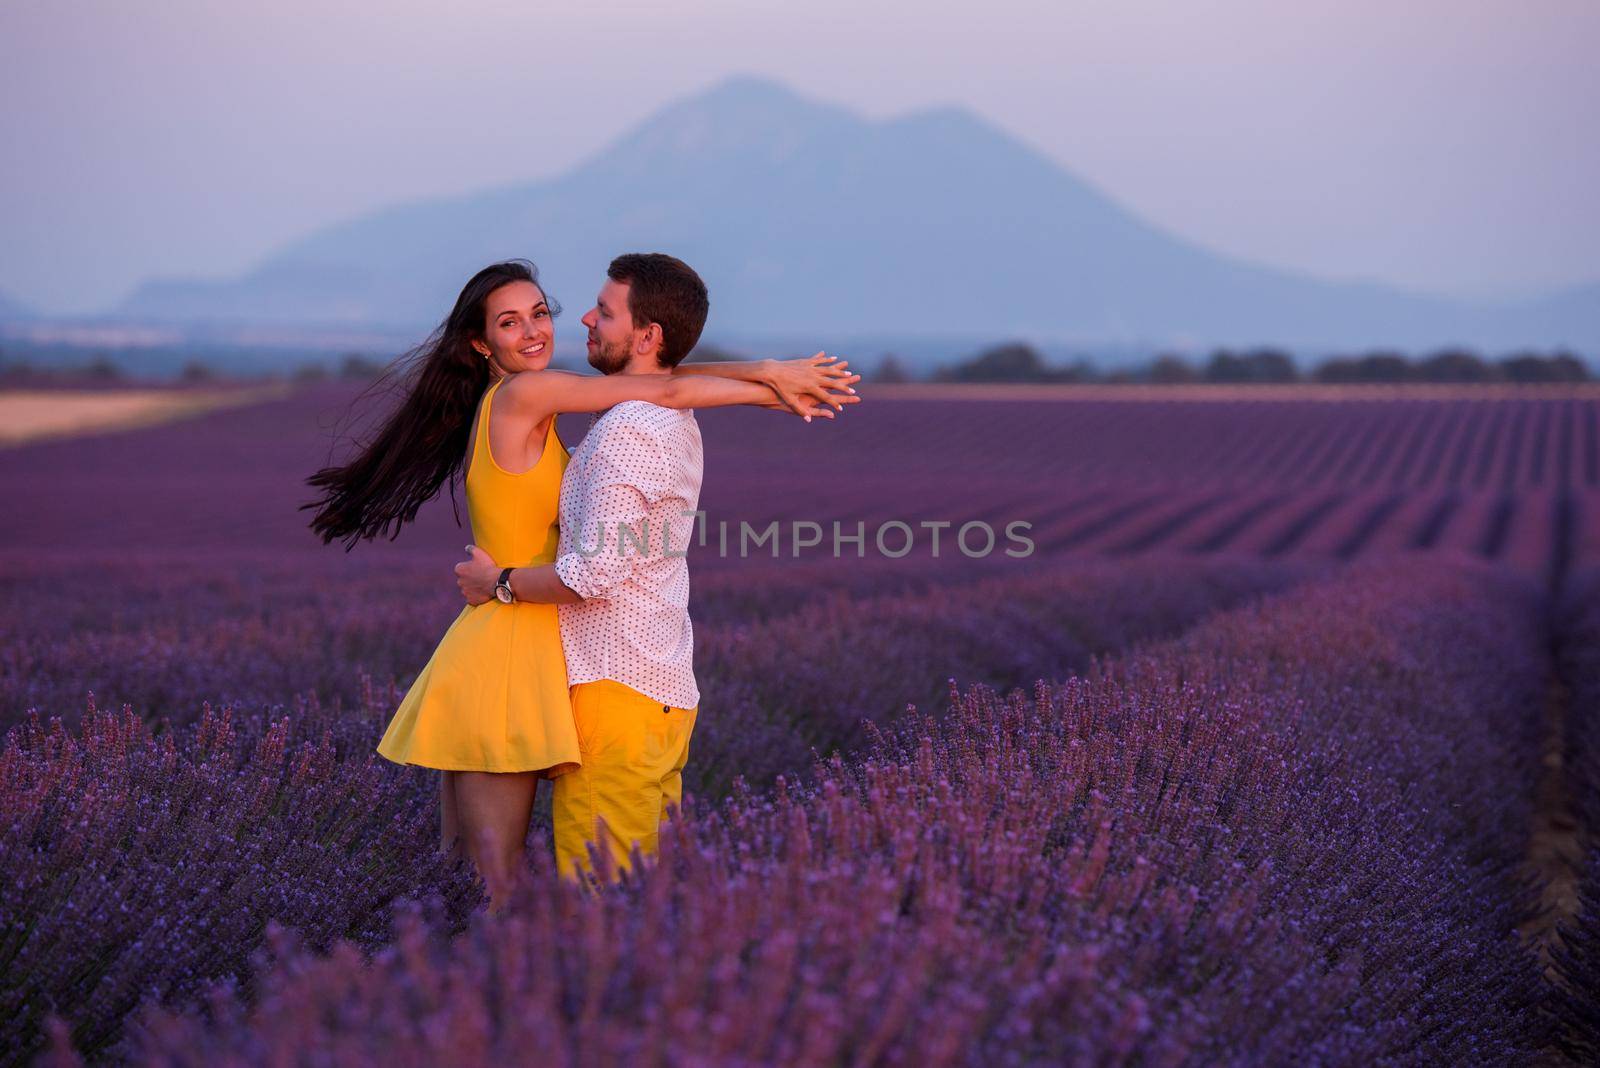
[[503, 594]]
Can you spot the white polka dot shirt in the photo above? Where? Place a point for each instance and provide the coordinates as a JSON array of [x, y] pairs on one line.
[[627, 504]]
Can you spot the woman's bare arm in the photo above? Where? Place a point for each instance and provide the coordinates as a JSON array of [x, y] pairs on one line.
[[537, 394], [815, 376]]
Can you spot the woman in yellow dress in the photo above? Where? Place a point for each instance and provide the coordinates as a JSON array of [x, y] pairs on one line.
[[490, 709]]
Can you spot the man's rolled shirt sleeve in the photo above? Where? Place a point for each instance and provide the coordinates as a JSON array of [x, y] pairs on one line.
[[629, 475]]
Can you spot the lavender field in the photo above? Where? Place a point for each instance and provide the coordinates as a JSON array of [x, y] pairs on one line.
[[1279, 746]]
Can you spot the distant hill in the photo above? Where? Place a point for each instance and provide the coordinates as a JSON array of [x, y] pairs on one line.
[[12, 309], [808, 220]]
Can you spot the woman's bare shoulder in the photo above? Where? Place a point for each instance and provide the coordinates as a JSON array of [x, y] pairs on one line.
[[525, 386]]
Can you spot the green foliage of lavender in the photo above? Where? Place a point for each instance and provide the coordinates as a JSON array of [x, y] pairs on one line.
[[1226, 850]]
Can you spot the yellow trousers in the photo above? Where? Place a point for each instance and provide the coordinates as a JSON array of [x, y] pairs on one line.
[[633, 750]]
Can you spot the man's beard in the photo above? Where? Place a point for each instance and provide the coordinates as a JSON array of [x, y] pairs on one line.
[[609, 359]]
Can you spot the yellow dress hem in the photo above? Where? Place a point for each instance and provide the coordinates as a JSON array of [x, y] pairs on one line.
[[552, 770]]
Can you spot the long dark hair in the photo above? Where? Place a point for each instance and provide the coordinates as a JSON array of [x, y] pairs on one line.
[[423, 443]]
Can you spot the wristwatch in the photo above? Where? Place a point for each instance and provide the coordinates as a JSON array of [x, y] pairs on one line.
[[502, 589]]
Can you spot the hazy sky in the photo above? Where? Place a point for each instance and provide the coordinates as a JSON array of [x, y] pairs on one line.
[[1447, 145]]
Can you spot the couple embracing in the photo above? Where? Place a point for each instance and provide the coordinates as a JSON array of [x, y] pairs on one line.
[[572, 660]]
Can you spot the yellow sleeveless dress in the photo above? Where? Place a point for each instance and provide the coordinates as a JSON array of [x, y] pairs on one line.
[[493, 697]]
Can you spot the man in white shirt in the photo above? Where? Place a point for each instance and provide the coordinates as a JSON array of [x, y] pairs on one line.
[[620, 577]]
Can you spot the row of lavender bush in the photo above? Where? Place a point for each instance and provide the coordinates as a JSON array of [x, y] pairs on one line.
[[166, 634], [808, 681], [140, 861], [1236, 849], [139, 866], [1576, 953]]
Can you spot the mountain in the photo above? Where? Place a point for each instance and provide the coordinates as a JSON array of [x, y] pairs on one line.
[[809, 221], [13, 310]]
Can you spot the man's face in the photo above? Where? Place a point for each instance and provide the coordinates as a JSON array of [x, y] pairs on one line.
[[611, 332]]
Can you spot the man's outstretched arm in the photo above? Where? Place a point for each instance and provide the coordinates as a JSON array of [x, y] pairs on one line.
[[629, 475], [539, 584]]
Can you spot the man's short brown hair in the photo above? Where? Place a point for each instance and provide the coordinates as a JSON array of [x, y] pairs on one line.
[[664, 290]]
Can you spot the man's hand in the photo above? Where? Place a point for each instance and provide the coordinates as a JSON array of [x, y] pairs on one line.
[[805, 407], [477, 576], [805, 384]]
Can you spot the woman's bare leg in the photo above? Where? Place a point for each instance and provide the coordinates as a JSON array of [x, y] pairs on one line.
[[492, 813], [449, 823]]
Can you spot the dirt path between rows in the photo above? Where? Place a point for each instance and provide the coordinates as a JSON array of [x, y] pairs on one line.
[[1553, 848]]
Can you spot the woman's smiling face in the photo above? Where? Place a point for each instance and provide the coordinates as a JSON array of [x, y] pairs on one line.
[[518, 328]]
